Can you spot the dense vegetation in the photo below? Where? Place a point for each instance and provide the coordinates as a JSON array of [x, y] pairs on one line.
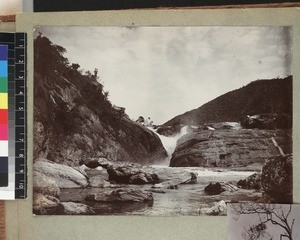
[[261, 96], [73, 118], [53, 70]]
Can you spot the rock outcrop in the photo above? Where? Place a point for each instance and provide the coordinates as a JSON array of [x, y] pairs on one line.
[[230, 148], [64, 176], [277, 179], [74, 120]]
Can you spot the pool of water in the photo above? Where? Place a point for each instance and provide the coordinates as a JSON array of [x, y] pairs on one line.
[[188, 199]]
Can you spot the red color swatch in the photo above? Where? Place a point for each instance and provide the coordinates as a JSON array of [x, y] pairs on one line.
[[4, 116]]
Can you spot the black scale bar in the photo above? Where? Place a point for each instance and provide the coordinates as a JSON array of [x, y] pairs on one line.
[[20, 116]]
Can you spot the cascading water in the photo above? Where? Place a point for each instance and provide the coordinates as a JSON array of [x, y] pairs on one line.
[[169, 143]]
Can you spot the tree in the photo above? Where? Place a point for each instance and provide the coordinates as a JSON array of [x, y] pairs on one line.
[[275, 214], [256, 232], [96, 72], [75, 66], [48, 56]]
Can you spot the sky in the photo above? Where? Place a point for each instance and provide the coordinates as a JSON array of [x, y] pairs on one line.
[[161, 72], [235, 228]]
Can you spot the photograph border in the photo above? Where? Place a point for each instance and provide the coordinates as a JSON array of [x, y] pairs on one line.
[[134, 227]]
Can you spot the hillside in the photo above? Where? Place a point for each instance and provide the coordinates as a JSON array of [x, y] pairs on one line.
[[75, 121], [261, 96]]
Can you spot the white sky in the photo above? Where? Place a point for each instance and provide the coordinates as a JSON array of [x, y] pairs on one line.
[[235, 228], [160, 72]]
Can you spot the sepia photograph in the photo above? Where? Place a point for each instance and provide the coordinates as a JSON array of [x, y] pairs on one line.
[[161, 121], [257, 221]]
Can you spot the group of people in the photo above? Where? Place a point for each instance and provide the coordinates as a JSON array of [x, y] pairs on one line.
[[145, 122]]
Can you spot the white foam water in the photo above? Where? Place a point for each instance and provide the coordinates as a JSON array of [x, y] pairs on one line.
[[170, 143]]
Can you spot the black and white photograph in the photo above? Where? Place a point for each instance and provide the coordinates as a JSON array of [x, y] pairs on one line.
[[257, 221], [161, 121]]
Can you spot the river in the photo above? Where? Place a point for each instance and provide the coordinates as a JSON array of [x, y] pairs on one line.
[[188, 199]]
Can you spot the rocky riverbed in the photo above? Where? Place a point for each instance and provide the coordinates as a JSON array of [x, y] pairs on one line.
[[132, 189], [186, 199]]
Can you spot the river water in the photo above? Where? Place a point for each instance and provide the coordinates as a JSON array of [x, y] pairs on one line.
[[188, 199]]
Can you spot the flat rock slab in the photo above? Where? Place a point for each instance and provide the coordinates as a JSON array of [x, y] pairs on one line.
[[230, 148], [121, 195], [71, 208]]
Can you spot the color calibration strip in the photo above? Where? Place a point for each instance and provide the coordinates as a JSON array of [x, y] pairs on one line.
[[18, 128], [15, 95], [4, 116]]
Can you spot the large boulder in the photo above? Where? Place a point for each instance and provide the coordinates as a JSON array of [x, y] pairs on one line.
[[45, 204], [99, 182], [219, 187], [181, 176], [64, 176], [230, 148], [137, 174], [95, 162], [121, 195], [251, 182], [277, 179], [130, 173], [46, 194]]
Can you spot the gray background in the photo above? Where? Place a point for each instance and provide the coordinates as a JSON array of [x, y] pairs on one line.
[[21, 224], [27, 5]]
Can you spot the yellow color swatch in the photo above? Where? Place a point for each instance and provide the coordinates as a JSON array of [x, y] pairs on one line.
[[3, 101]]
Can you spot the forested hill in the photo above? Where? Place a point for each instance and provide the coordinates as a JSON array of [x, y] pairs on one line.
[[261, 96], [73, 118]]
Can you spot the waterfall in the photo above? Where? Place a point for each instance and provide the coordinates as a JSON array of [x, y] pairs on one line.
[[169, 143]]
